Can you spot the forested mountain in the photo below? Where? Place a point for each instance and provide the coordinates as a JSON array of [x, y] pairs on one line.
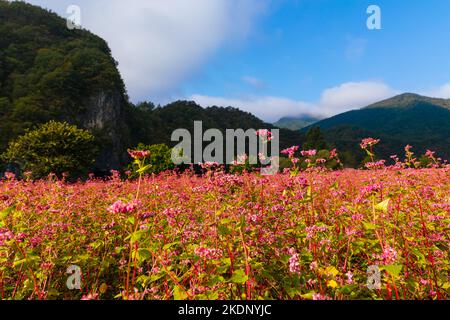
[[410, 119], [296, 123], [48, 72], [151, 125]]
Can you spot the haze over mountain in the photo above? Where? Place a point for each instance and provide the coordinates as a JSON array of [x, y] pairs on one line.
[[296, 123]]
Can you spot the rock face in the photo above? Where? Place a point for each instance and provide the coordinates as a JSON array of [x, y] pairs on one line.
[[105, 117], [48, 72]]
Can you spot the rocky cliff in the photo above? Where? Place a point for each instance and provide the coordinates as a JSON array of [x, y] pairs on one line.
[[48, 72]]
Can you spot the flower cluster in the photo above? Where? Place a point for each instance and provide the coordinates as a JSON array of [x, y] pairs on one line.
[[369, 142], [312, 235], [123, 207], [294, 261], [208, 253], [309, 153], [290, 151], [265, 134], [139, 154]]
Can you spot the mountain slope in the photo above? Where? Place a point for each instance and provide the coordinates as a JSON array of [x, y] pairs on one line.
[[411, 119], [48, 72], [151, 125], [296, 123]]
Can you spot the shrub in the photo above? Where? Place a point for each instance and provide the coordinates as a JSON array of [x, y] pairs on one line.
[[54, 147], [160, 159]]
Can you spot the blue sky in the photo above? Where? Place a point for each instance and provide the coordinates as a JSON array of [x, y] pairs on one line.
[[274, 57]]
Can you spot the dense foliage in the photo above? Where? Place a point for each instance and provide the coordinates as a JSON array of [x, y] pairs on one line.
[[160, 160], [47, 72], [54, 147], [312, 235], [154, 125]]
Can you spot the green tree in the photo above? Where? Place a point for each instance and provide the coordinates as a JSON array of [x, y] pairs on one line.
[[160, 159], [53, 147], [315, 139]]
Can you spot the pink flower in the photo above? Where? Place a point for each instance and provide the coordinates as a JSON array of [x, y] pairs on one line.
[[318, 296], [333, 154], [313, 266], [122, 207], [375, 165], [369, 142], [430, 154], [372, 188], [294, 261], [290, 151], [46, 265], [265, 134], [208, 253], [10, 175], [309, 153], [90, 296], [209, 165], [139, 154], [349, 277], [321, 161], [389, 255], [5, 235]]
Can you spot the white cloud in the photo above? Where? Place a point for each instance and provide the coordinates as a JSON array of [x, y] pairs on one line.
[[160, 44], [254, 82], [345, 97], [352, 95], [267, 108], [441, 92]]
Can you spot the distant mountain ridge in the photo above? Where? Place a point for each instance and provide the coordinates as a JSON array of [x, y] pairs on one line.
[[152, 125], [408, 118], [296, 123], [407, 100]]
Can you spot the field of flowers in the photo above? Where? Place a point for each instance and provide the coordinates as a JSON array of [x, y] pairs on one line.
[[312, 235]]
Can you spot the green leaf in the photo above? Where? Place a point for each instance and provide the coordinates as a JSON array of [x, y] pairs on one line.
[[393, 269], [179, 294], [142, 170], [136, 236], [6, 212], [369, 226], [309, 192], [308, 296], [170, 245], [225, 221], [383, 206], [239, 277], [223, 230], [18, 262], [131, 220], [144, 254], [215, 280]]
